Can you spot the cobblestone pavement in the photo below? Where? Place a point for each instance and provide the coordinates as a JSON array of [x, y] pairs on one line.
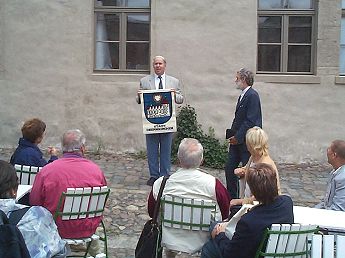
[[126, 208]]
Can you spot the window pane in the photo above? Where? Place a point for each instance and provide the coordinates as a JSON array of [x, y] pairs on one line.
[[270, 29], [300, 29], [342, 32], [137, 56], [138, 27], [107, 27], [269, 58], [126, 3], [137, 3], [342, 60], [343, 4], [300, 4], [107, 55], [289, 4], [270, 4], [342, 46], [299, 58]]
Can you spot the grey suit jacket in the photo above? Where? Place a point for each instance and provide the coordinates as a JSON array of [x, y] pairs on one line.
[[148, 83], [335, 194]]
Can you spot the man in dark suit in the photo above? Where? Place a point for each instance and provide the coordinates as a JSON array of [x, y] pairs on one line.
[[247, 115], [158, 145], [272, 209]]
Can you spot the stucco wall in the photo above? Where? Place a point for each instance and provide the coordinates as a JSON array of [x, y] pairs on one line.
[[46, 60]]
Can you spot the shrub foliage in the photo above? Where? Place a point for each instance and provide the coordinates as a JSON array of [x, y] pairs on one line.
[[215, 151]]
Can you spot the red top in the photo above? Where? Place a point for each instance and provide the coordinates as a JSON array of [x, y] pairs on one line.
[[70, 171]]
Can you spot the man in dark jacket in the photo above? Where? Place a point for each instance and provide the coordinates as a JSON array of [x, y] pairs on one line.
[[247, 115], [272, 208]]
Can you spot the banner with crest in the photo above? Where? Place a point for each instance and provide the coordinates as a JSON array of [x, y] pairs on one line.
[[158, 111]]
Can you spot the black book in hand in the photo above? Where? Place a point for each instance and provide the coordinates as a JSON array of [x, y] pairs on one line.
[[229, 133]]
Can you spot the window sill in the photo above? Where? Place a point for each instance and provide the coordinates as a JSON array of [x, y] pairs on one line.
[[340, 79], [287, 78], [118, 77]]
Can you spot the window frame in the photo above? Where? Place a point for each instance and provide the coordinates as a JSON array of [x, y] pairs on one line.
[[342, 74], [285, 14], [123, 12]]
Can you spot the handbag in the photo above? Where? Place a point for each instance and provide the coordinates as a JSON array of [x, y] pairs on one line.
[[149, 243]]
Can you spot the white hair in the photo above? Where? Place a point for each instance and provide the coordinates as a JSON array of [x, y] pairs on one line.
[[72, 140], [190, 153]]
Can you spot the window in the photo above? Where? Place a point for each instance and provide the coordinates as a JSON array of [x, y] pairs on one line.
[[342, 42], [122, 35], [286, 38]]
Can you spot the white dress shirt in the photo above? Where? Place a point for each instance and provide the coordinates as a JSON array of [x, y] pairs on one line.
[[157, 81], [243, 92]]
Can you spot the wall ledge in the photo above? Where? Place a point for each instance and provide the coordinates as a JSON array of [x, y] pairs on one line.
[[340, 80], [288, 78]]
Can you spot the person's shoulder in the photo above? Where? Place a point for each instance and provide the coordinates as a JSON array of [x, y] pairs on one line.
[[285, 199], [38, 212], [147, 77], [171, 78]]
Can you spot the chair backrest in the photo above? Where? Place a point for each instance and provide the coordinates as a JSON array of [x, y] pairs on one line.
[[81, 203], [327, 246], [187, 214], [286, 240], [26, 174]]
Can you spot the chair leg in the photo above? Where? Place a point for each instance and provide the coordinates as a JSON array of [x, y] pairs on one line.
[[104, 239], [87, 248]]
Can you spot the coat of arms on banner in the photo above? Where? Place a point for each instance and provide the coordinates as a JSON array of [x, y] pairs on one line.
[[158, 111]]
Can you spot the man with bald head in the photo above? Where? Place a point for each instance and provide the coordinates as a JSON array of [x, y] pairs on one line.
[[159, 145], [335, 194], [72, 170]]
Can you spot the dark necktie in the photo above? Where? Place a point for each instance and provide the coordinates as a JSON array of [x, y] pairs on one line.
[[160, 82]]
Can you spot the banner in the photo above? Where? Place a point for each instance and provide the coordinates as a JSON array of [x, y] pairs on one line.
[[158, 111]]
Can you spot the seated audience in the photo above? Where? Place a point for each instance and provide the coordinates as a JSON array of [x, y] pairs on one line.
[[190, 182], [257, 145], [72, 170], [37, 225], [27, 152], [272, 208], [335, 194]]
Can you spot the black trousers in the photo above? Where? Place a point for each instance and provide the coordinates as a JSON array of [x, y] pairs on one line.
[[237, 154]]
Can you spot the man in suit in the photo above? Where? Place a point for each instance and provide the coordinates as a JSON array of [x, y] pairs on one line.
[[159, 145], [247, 115], [272, 209], [335, 194]]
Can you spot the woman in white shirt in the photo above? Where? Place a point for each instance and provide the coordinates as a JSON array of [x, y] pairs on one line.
[[257, 144]]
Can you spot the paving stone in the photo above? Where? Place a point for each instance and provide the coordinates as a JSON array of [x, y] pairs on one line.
[[126, 211]]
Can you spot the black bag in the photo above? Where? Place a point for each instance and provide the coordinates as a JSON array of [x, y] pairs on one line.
[[149, 243], [12, 244]]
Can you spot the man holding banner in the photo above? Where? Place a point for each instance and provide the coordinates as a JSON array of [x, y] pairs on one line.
[[157, 94]]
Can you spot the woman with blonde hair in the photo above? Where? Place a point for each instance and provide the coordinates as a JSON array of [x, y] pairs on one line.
[[257, 144]]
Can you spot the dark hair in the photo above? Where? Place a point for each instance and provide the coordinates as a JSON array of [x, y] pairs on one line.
[[8, 180], [33, 129], [338, 147], [262, 181]]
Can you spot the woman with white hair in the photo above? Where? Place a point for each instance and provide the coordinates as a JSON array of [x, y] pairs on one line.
[[257, 144]]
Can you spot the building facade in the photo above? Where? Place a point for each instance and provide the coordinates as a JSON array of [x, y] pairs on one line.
[[77, 64]]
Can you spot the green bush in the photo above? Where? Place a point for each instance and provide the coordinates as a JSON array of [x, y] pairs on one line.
[[215, 152]]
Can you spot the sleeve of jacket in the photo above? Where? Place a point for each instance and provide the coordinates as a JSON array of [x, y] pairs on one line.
[[241, 244], [178, 96], [253, 115], [223, 199], [338, 201], [137, 98]]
